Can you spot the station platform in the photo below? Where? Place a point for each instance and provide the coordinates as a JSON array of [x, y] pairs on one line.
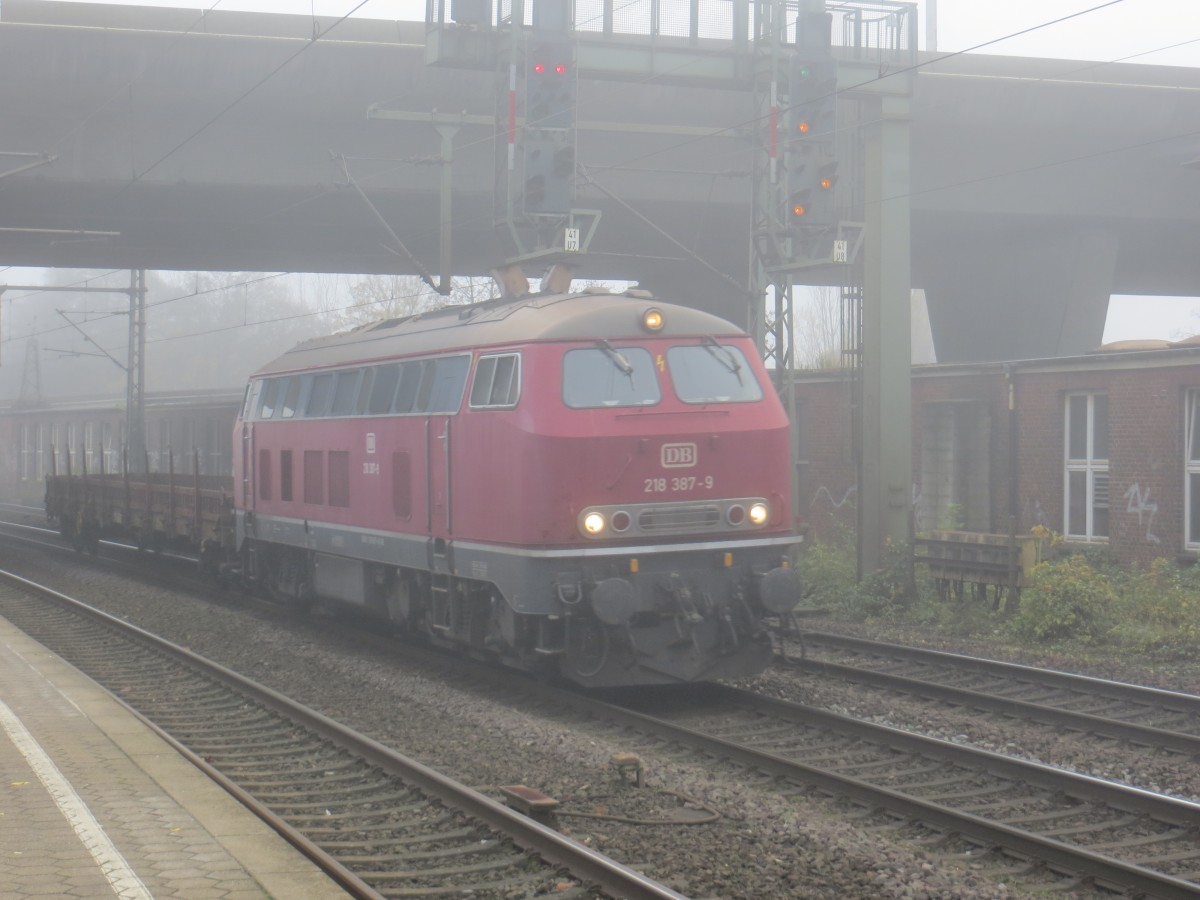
[[93, 804]]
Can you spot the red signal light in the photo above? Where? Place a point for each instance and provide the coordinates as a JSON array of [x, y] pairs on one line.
[[560, 69], [539, 68]]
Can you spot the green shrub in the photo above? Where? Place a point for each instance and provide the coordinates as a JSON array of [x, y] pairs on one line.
[[1159, 609], [1067, 599], [882, 592], [829, 572]]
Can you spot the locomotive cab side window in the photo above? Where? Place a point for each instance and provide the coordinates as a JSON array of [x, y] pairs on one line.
[[712, 373], [319, 395], [345, 392], [291, 397], [406, 391], [379, 388], [251, 398], [270, 391], [605, 376], [497, 382], [448, 380]]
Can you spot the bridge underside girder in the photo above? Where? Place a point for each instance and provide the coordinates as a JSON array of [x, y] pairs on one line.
[[1021, 294], [1028, 207]]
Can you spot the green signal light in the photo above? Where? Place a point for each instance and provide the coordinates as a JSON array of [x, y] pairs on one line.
[[802, 72]]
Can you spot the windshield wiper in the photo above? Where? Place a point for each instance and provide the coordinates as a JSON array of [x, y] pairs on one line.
[[723, 356], [617, 357]]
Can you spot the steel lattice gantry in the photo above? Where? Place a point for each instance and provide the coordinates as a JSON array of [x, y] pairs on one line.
[[849, 69]]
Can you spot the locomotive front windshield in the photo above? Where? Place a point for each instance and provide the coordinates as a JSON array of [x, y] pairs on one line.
[[712, 373], [609, 376], [707, 372]]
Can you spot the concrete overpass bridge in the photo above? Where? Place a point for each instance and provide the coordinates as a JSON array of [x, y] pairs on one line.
[[140, 137], [1018, 193]]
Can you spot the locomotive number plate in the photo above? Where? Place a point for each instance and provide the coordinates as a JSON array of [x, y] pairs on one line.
[[678, 483]]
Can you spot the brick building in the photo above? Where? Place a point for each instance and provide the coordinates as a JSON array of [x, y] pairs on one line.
[[1103, 449]]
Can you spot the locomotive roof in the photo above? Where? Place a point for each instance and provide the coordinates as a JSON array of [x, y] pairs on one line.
[[507, 321]]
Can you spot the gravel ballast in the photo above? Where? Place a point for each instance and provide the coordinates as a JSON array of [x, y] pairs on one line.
[[763, 844]]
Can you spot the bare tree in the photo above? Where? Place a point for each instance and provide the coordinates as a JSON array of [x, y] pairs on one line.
[[817, 323], [378, 297]]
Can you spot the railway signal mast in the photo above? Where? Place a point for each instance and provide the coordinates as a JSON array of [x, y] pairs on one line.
[[798, 208], [810, 152], [535, 161]]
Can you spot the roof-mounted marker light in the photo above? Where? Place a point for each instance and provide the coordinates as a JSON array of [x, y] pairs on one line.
[[652, 319]]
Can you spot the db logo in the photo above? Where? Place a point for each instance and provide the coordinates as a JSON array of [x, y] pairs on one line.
[[678, 456]]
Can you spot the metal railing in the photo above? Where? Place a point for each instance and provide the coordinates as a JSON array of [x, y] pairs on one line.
[[878, 26]]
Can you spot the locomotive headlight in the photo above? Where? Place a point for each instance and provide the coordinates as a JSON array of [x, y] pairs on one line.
[[652, 319], [759, 513], [593, 523]]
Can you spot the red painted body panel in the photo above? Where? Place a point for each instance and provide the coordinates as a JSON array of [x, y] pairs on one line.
[[520, 476]]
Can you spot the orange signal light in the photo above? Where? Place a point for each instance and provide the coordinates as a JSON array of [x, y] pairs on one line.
[[802, 127], [826, 183], [798, 210], [653, 320]]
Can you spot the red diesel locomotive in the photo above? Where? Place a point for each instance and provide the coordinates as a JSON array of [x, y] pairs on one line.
[[591, 484]]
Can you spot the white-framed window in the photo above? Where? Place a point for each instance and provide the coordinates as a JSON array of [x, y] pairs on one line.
[[1085, 476], [27, 459], [497, 383], [1191, 470], [89, 447]]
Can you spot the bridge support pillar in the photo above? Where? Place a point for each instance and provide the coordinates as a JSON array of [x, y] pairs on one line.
[[885, 413], [1044, 295]]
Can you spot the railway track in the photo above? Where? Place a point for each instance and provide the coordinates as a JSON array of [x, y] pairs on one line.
[[1110, 710], [378, 823], [1014, 817], [980, 804]]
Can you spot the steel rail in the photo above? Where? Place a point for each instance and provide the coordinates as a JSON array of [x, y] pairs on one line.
[[585, 864], [1067, 858], [1145, 735], [1172, 700]]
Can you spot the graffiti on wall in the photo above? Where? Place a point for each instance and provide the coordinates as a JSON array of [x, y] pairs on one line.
[[851, 492], [1139, 503]]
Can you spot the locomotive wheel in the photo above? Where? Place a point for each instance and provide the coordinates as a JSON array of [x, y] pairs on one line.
[[587, 646]]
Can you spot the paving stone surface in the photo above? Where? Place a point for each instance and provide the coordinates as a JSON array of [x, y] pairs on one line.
[[92, 804]]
